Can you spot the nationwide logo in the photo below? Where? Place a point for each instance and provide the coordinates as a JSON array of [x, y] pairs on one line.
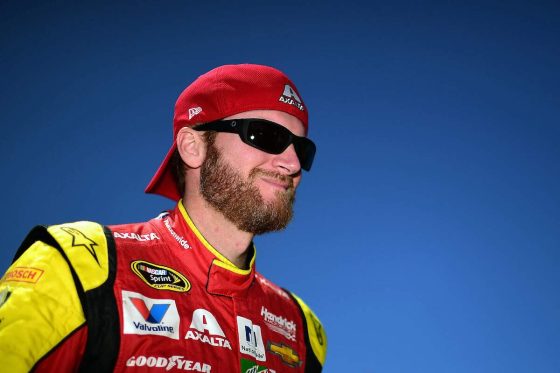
[[177, 238], [287, 354], [147, 316], [289, 96], [205, 328], [169, 363], [250, 339], [136, 236], [23, 274], [160, 277], [279, 324], [194, 111]]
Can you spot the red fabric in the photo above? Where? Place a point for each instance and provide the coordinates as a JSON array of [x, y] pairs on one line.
[[65, 357], [215, 323]]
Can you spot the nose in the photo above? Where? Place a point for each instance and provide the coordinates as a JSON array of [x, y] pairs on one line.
[[287, 162]]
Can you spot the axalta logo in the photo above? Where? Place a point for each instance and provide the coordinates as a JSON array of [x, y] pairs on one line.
[[290, 97], [194, 111], [136, 236], [160, 277], [279, 324], [177, 238], [169, 363], [147, 316], [205, 328], [23, 274], [286, 353], [250, 339]]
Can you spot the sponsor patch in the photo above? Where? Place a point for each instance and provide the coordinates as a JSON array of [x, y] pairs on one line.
[[23, 274], [160, 277], [248, 366], [290, 97], [194, 111], [176, 236], [148, 316], [279, 324], [135, 236], [205, 328], [250, 339], [169, 363], [318, 329], [286, 353], [80, 239]]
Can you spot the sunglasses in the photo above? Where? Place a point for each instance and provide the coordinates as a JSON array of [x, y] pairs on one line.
[[266, 136]]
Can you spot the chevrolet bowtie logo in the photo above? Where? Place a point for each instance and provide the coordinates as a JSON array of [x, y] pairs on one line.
[[288, 355], [80, 239]]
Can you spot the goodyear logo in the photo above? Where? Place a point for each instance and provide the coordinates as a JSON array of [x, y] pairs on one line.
[[160, 277], [287, 354], [23, 274]]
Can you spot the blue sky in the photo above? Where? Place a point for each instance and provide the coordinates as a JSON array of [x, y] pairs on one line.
[[427, 234]]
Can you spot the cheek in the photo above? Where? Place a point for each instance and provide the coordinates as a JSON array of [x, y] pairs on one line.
[[297, 180]]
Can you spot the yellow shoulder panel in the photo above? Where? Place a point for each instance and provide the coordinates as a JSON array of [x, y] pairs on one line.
[[315, 331], [39, 307], [85, 245]]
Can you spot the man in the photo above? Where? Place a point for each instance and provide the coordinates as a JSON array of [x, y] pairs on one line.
[[179, 292]]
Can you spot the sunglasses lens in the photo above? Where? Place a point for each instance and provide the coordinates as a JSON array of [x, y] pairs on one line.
[[305, 150], [268, 137], [274, 139]]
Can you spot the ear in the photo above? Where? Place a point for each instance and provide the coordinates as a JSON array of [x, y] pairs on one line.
[[191, 147]]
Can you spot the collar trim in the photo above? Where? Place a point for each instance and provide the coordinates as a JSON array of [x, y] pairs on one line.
[[220, 260]]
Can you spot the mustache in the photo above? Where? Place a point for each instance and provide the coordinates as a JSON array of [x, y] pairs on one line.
[[289, 180]]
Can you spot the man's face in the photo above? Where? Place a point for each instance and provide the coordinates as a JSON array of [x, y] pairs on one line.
[[253, 189]]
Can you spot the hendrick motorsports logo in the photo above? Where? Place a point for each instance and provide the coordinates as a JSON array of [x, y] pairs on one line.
[[169, 363], [160, 277], [279, 324]]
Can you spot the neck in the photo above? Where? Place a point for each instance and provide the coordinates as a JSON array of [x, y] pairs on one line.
[[222, 234]]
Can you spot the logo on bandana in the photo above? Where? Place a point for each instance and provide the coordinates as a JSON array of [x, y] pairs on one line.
[[194, 111]]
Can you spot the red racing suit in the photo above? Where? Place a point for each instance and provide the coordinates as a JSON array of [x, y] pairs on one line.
[[153, 296]]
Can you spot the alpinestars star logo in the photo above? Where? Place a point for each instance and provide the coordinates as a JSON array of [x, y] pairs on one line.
[[290, 97], [80, 239]]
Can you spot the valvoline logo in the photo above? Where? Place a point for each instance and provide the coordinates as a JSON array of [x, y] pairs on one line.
[[153, 315], [149, 316]]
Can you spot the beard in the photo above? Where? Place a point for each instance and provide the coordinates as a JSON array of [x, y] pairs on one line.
[[239, 200]]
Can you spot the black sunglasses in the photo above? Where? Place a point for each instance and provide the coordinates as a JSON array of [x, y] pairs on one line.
[[267, 136]]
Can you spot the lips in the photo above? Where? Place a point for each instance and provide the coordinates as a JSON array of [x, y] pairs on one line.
[[278, 182]]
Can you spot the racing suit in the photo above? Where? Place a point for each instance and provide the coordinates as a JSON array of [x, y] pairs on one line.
[[152, 296]]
